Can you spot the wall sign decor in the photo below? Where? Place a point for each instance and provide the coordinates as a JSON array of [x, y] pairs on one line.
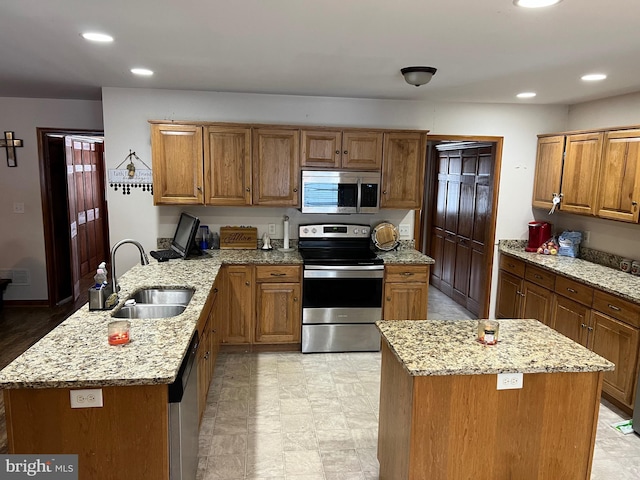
[[130, 176], [10, 144]]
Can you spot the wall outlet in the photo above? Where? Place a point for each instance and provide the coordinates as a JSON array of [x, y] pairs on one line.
[[18, 207], [510, 381], [6, 273], [272, 229], [20, 276], [586, 236], [405, 231], [91, 398]]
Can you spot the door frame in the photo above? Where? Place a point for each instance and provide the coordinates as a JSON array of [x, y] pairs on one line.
[[48, 202], [422, 218]]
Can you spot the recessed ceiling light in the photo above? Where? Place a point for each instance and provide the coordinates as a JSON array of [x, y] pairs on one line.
[[142, 71], [97, 37], [535, 3], [593, 77], [526, 95]]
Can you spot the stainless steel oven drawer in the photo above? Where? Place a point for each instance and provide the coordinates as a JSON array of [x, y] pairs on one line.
[[340, 338], [341, 315]]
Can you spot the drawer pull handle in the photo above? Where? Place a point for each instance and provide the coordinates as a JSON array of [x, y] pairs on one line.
[[277, 274], [215, 290], [406, 274], [590, 329], [539, 277], [520, 293], [571, 290], [613, 307], [511, 265], [583, 325]]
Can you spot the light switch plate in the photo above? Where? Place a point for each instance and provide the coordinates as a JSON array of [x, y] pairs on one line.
[[510, 381], [18, 207], [272, 229], [87, 398], [405, 231]]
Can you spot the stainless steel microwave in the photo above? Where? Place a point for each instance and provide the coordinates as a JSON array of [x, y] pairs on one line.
[[340, 191]]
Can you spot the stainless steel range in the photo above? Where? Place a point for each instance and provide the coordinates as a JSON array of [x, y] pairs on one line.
[[342, 288]]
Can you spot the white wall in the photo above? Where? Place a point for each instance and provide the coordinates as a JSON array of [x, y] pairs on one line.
[[126, 112], [22, 235]]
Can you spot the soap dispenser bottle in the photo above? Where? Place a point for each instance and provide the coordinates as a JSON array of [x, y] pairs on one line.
[[101, 289]]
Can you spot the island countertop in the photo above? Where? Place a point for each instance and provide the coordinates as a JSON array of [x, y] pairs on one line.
[[437, 347], [76, 353]]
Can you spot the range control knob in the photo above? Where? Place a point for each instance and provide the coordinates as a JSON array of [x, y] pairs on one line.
[[364, 231], [305, 230], [313, 230], [355, 231]]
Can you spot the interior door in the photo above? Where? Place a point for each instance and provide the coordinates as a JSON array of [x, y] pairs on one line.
[[87, 206]]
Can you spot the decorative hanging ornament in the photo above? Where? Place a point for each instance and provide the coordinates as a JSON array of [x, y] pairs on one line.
[[130, 176]]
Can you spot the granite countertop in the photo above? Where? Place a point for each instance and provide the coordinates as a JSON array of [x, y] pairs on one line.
[[604, 278], [76, 353], [438, 347], [406, 257]]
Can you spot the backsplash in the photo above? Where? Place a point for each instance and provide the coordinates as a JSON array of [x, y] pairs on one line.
[[165, 243]]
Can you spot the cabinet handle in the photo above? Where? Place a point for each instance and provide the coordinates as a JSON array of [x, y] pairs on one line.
[[345, 152], [571, 290], [590, 329], [277, 274], [384, 192], [199, 189], [406, 274], [247, 283], [337, 152], [295, 299], [511, 265], [248, 189], [583, 325], [613, 307], [295, 190], [215, 290], [388, 299], [539, 277], [520, 293]]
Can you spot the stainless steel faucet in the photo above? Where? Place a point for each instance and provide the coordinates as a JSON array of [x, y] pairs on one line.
[[144, 260]]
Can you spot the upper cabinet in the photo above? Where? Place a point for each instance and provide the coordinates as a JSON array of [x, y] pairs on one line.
[[403, 170], [620, 176], [177, 164], [596, 173], [276, 167], [348, 149], [224, 164]]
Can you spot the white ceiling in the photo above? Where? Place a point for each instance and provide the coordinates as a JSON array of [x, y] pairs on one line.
[[485, 50]]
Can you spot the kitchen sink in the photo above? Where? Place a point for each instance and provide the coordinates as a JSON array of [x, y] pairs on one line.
[[145, 310], [163, 296]]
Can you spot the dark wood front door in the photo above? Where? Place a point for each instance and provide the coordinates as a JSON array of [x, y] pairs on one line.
[[462, 215]]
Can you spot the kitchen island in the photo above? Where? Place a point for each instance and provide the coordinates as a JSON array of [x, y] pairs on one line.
[[443, 417]]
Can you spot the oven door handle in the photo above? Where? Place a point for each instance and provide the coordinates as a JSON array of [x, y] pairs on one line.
[[361, 271]]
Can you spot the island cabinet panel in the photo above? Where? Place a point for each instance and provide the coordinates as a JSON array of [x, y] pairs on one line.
[[452, 427], [227, 165], [548, 171], [177, 164], [115, 442], [276, 161]]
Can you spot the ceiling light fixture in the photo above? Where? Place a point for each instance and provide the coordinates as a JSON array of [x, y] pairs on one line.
[[593, 77], [535, 3], [418, 75], [526, 95], [145, 72], [97, 37]]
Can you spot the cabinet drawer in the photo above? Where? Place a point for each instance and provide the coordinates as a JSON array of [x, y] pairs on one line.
[[406, 273], [617, 308], [278, 273], [512, 265], [540, 277], [574, 290]]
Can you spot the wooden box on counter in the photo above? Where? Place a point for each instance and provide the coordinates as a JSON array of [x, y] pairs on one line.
[[238, 237]]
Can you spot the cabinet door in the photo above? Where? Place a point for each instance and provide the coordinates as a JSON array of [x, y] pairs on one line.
[[580, 173], [238, 292], [362, 150], [571, 319], [618, 343], [204, 353], [227, 165], [403, 170], [548, 170], [620, 176], [508, 303], [536, 303], [278, 313], [405, 301], [176, 153], [276, 159], [321, 148]]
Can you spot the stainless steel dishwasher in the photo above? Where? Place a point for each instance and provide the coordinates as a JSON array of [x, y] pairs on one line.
[[184, 418]]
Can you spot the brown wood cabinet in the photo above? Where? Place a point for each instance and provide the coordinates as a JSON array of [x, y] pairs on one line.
[[276, 160], [208, 329], [227, 165], [237, 298], [406, 292], [604, 323], [348, 149], [176, 152], [580, 173], [548, 174], [403, 163], [620, 176], [278, 304]]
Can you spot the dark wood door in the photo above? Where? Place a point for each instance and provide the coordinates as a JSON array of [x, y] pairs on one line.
[[462, 214], [86, 204]]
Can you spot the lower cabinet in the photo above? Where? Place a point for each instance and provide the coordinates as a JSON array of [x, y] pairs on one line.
[[237, 295], [208, 330], [603, 323], [406, 292], [278, 314]]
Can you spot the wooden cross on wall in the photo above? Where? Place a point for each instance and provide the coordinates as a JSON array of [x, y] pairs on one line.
[[10, 144]]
